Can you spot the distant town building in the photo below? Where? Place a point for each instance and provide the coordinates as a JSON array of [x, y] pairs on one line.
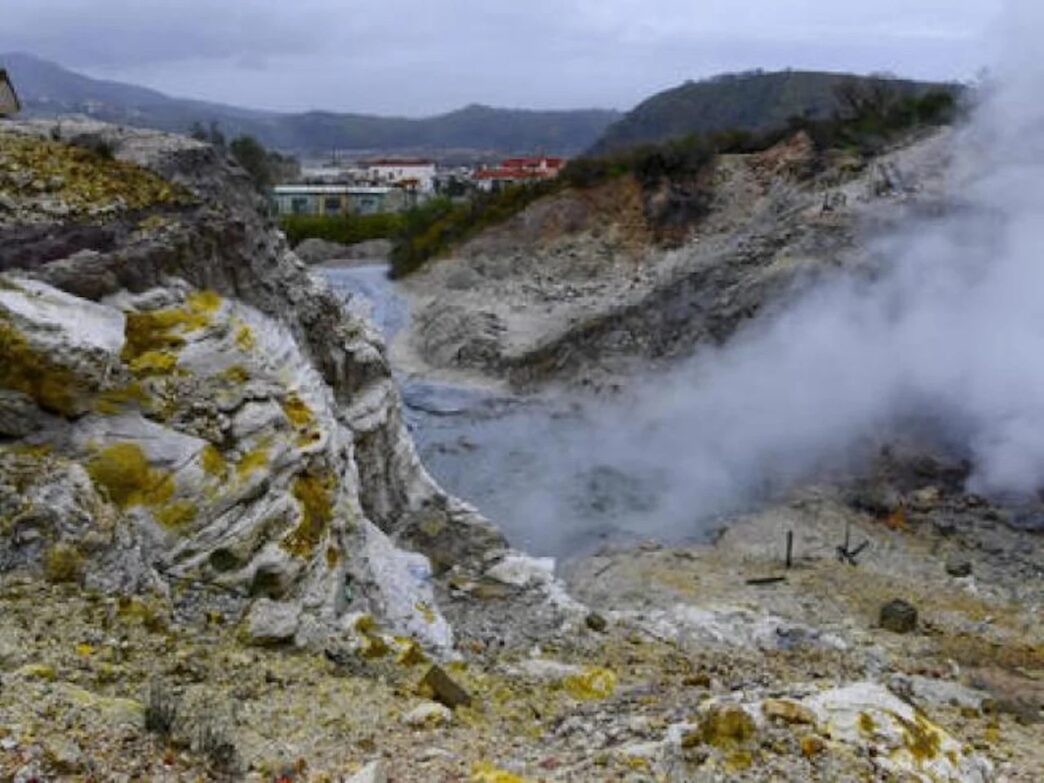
[[417, 174], [9, 103], [336, 173], [513, 171], [332, 200]]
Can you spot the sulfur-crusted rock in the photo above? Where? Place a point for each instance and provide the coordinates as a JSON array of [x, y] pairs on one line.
[[208, 404], [903, 740], [428, 715]]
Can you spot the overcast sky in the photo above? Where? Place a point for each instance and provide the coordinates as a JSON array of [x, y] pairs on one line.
[[415, 57]]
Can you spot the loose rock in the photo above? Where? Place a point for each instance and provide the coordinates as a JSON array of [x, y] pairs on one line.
[[898, 616]]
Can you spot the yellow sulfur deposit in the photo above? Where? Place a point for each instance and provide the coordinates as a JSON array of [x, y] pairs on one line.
[[592, 684], [485, 772], [313, 494]]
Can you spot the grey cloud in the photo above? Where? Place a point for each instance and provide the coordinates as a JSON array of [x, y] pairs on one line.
[[421, 56]]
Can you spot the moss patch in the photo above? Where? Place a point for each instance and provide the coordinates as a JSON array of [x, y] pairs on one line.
[[313, 495], [63, 563]]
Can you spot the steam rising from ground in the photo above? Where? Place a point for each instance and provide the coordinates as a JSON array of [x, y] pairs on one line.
[[950, 333]]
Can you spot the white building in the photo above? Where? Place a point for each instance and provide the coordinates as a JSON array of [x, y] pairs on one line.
[[417, 174]]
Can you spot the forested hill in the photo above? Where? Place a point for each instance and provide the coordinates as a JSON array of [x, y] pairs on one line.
[[753, 101]]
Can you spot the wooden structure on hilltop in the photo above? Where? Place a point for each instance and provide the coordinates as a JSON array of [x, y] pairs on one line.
[[9, 103]]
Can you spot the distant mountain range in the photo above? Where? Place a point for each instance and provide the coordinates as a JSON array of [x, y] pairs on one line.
[[753, 101], [48, 89]]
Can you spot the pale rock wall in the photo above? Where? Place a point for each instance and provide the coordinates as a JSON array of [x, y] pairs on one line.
[[236, 423]]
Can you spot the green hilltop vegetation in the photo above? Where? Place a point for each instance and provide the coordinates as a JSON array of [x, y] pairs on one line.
[[752, 101], [867, 116], [49, 90]]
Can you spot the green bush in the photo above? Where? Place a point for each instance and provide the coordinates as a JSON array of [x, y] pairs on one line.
[[434, 227], [346, 229]]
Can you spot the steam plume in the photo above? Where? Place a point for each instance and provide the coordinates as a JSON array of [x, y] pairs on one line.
[[951, 332]]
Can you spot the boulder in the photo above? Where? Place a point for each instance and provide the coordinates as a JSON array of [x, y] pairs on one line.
[[959, 567], [898, 616], [428, 715], [371, 773], [271, 622], [903, 741]]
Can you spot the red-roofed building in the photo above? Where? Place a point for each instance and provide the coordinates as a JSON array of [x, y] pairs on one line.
[[512, 171]]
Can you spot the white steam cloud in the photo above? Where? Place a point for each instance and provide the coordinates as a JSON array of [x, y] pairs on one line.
[[952, 332]]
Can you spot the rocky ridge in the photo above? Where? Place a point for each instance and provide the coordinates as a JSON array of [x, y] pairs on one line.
[[579, 287]]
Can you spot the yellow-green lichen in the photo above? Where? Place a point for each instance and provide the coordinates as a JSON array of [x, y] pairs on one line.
[[177, 515], [245, 339], [313, 495], [38, 671], [124, 472], [252, 461], [922, 739], [297, 411], [726, 725], [373, 645], [154, 363], [113, 401], [205, 302], [866, 723], [236, 374], [213, 462], [54, 388], [425, 610], [164, 330], [63, 563], [84, 180]]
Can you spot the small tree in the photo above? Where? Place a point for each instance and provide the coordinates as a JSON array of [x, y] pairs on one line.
[[252, 156]]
